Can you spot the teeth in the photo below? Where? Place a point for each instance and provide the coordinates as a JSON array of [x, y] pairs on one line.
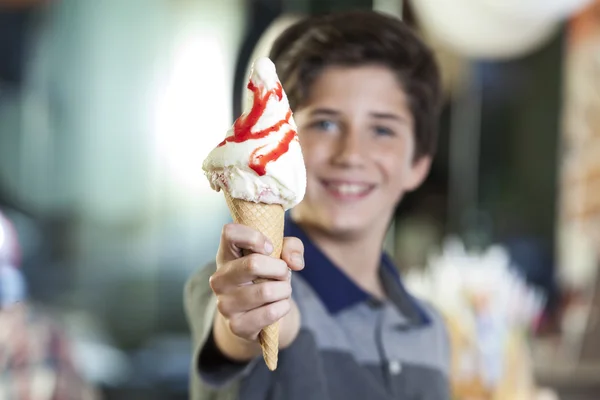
[[348, 188]]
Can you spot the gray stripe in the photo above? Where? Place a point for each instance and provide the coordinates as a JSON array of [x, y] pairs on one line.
[[425, 345], [328, 333], [304, 372], [362, 323], [374, 333]]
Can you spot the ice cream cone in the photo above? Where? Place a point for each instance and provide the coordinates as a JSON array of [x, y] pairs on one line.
[[269, 220], [260, 160]]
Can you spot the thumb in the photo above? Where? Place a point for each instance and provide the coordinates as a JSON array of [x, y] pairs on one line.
[[293, 253]]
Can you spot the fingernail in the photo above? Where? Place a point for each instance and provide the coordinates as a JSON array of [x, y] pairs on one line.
[[298, 260], [268, 247]]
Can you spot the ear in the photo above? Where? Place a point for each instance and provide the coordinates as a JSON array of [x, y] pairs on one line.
[[417, 173]]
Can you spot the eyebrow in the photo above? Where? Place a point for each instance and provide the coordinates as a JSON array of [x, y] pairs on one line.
[[378, 115], [390, 116], [324, 111]]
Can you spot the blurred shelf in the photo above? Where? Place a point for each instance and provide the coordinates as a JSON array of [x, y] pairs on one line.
[[561, 374]]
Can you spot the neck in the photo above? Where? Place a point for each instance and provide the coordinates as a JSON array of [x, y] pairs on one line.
[[358, 257]]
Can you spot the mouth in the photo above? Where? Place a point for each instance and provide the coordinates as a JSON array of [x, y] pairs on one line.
[[347, 190]]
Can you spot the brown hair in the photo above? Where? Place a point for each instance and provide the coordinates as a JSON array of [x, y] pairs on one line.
[[358, 38]]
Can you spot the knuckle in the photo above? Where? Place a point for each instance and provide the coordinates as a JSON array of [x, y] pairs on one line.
[[275, 311], [234, 326], [218, 281], [221, 307], [252, 263], [265, 292], [271, 313], [214, 282], [237, 328], [285, 306], [226, 232]]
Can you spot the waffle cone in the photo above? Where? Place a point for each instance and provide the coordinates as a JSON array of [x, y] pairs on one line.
[[269, 220]]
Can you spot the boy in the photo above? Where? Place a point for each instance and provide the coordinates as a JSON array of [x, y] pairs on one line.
[[365, 93]]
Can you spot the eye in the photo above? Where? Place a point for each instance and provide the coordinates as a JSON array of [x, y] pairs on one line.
[[383, 131], [325, 125]]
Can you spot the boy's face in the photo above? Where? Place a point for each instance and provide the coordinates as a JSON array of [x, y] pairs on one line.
[[357, 137]]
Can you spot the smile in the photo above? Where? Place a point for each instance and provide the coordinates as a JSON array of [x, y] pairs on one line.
[[348, 190]]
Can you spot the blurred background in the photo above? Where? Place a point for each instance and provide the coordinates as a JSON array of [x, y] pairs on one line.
[[107, 109]]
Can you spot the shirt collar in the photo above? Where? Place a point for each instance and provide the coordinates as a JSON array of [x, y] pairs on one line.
[[337, 291], [398, 295]]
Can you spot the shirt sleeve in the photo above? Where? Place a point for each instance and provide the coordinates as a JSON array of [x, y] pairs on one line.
[[213, 376]]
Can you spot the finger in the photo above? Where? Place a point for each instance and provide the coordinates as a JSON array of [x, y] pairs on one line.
[[293, 253], [248, 325], [236, 237], [247, 298], [247, 269]]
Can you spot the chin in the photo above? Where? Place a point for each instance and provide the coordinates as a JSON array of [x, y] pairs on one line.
[[348, 221], [339, 223]]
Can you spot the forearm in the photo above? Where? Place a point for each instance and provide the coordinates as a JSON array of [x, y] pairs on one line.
[[239, 349]]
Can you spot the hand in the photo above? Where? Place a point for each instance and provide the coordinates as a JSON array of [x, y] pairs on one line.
[[249, 307]]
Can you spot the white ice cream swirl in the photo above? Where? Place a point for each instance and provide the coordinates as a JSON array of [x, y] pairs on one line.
[[261, 160]]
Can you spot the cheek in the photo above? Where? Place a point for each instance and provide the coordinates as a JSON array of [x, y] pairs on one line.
[[315, 161], [395, 160], [314, 154], [394, 169]]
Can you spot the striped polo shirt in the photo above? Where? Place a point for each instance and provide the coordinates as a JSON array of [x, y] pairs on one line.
[[350, 345]]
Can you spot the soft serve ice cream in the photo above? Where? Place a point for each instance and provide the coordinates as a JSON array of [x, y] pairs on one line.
[[260, 159]]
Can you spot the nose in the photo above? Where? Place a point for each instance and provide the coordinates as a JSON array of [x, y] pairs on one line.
[[349, 152]]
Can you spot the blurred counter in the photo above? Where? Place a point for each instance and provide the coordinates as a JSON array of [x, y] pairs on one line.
[[571, 382]]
